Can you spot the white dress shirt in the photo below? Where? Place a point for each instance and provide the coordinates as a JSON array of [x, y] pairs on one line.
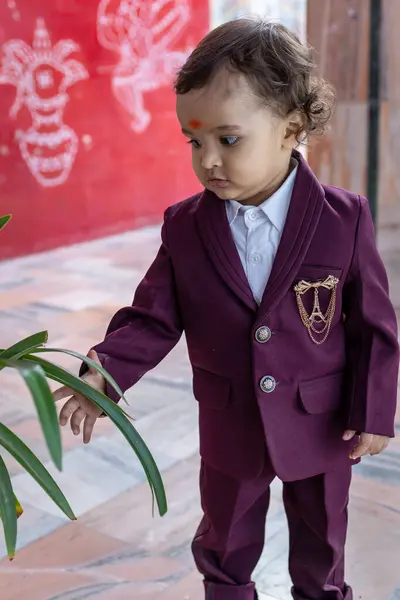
[[257, 231]]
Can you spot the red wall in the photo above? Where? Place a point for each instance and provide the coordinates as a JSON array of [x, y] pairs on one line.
[[80, 156]]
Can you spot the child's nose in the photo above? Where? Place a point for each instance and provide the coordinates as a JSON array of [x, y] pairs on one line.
[[210, 159]]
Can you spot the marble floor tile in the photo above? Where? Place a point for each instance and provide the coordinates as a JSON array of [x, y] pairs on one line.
[[138, 526], [70, 546], [50, 585], [86, 480], [133, 591], [189, 587], [77, 299], [32, 525]]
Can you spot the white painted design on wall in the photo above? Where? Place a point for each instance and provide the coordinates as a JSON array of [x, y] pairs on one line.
[[41, 74], [142, 33]]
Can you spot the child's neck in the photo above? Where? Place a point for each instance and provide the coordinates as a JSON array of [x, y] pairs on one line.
[[273, 186]]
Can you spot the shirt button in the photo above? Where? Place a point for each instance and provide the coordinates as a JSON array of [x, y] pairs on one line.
[[267, 384], [255, 258], [252, 214], [263, 334]]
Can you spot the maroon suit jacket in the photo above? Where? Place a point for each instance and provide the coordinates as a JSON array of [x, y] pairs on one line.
[[197, 285]]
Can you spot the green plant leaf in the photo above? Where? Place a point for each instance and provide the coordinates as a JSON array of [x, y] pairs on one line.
[[36, 381], [7, 510], [116, 414], [24, 346], [89, 362], [18, 508], [4, 220], [20, 451]]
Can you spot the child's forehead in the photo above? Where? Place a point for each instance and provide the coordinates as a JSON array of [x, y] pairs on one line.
[[221, 101], [227, 84]]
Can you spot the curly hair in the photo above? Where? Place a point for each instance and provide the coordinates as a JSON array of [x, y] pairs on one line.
[[277, 65]]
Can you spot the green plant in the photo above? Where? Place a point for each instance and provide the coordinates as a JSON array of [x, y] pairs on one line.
[[24, 357]]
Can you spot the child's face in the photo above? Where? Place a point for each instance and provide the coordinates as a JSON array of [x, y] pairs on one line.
[[240, 149]]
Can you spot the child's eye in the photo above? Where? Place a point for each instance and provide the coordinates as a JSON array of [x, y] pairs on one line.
[[229, 140], [194, 143]]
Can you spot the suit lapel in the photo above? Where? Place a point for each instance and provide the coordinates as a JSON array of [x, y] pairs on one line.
[[218, 242], [302, 220]]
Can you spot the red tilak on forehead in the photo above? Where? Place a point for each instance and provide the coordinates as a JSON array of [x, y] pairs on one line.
[[195, 124]]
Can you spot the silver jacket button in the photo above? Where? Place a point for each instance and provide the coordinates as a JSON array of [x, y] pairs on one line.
[[267, 384], [263, 334]]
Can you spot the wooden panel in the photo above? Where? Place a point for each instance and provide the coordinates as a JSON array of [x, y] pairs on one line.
[[390, 55], [339, 31], [339, 157], [389, 174]]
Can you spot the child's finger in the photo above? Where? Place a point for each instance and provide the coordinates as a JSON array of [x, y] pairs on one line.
[[62, 392], [68, 409], [92, 354], [361, 449], [76, 420], [88, 428], [379, 445], [349, 434]]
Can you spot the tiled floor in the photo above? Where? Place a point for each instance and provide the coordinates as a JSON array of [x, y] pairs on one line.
[[116, 550]]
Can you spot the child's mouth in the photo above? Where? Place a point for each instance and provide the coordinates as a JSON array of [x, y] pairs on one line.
[[218, 183]]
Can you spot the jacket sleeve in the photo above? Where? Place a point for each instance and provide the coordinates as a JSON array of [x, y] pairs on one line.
[[140, 336], [371, 336]]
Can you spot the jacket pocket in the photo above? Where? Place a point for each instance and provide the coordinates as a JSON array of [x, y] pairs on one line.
[[317, 273], [322, 395], [210, 390]]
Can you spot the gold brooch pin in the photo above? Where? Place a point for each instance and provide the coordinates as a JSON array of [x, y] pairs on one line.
[[317, 323]]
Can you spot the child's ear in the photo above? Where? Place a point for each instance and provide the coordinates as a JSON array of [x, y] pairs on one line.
[[293, 126]]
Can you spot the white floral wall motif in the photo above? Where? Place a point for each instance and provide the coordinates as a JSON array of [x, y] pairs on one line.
[[41, 74], [142, 33]]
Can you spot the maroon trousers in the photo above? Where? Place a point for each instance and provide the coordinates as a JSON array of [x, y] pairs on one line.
[[230, 538]]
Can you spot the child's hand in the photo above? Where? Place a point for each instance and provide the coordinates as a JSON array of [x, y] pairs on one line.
[[78, 408], [368, 444]]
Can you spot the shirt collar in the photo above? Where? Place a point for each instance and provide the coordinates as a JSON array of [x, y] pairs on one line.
[[275, 207], [232, 210]]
